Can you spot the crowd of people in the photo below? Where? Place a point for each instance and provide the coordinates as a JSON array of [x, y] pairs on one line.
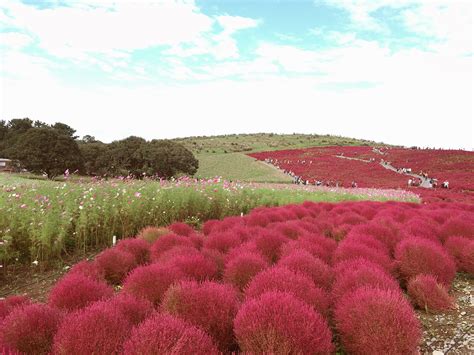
[[412, 181]]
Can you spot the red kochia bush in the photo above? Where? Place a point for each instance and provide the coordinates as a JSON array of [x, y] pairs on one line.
[[374, 321], [197, 267], [209, 305], [87, 268], [280, 278], [98, 329], [242, 268], [462, 226], [426, 293], [222, 241], [115, 264], [462, 250], [305, 263], [421, 256], [151, 282], [30, 329], [352, 279], [279, 323], [9, 303], [139, 248], [134, 309], [319, 246], [165, 334], [167, 242], [181, 228], [347, 250], [76, 291], [269, 244]]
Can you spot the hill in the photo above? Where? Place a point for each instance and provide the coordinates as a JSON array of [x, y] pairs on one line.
[[225, 155], [257, 142]]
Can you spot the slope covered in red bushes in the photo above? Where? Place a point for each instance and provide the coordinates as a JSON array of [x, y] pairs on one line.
[[260, 283], [342, 165]]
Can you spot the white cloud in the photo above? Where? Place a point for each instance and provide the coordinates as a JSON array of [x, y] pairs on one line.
[[75, 30], [14, 40]]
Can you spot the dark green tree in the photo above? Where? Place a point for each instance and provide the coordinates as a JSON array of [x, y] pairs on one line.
[[94, 157], [46, 150], [166, 159]]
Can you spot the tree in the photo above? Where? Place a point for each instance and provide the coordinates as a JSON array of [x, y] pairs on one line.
[[65, 129], [166, 159], [122, 157], [46, 150], [94, 156]]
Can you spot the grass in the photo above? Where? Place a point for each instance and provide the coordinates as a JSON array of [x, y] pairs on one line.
[[264, 142], [44, 220], [238, 167]]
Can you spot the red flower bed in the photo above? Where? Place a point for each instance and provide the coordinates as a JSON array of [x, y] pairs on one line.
[[342, 165], [359, 253]]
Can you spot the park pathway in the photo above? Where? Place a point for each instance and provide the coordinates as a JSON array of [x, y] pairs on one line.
[[425, 182]]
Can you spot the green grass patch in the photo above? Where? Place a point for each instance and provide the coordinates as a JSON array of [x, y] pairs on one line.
[[238, 167], [43, 220]]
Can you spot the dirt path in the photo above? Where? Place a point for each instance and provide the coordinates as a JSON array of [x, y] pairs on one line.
[[425, 182]]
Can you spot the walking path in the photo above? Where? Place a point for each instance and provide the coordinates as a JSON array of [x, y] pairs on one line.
[[425, 182]]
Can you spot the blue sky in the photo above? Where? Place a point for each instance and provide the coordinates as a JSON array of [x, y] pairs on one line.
[[385, 70]]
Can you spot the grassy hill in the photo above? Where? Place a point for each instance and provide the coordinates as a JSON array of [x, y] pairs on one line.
[[238, 167], [226, 155], [258, 142]]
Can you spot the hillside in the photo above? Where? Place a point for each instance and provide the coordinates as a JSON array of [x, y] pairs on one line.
[[256, 142]]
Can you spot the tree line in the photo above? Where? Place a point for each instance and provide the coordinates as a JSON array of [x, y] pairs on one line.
[[52, 149]]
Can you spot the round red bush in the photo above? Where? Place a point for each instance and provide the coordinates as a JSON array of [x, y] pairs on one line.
[[76, 291], [352, 279], [374, 321], [9, 303], [30, 329], [139, 248], [98, 329], [88, 269], [426, 293], [208, 305], [165, 334], [269, 244], [133, 309], [347, 250], [242, 268], [354, 264], [196, 267], [467, 259], [280, 278], [367, 240], [303, 262], [174, 252], [181, 228], [462, 226], [151, 282], [222, 241], [115, 264], [462, 251], [320, 247], [166, 242], [417, 256], [209, 226], [279, 323]]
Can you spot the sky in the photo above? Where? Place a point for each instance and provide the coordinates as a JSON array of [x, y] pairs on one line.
[[397, 71]]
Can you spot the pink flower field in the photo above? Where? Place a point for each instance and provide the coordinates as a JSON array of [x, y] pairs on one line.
[[315, 278]]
